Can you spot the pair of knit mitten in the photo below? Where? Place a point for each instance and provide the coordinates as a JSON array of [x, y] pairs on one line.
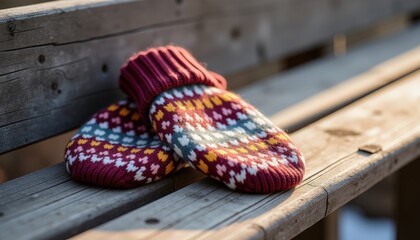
[[178, 113]]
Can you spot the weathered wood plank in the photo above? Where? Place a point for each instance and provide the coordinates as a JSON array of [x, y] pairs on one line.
[[324, 103], [90, 18], [54, 206], [59, 56], [367, 66], [337, 171], [12, 3]]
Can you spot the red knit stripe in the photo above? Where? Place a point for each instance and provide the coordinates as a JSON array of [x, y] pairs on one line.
[[154, 71]]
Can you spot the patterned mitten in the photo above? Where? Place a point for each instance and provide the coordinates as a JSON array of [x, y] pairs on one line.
[[115, 148], [216, 131]]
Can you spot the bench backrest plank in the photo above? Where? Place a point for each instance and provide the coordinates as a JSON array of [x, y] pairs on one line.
[[336, 172], [363, 70], [59, 61]]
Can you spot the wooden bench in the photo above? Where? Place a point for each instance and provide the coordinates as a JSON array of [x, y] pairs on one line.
[[355, 116]]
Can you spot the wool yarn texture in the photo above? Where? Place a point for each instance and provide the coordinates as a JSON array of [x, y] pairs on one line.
[[116, 148], [214, 130]]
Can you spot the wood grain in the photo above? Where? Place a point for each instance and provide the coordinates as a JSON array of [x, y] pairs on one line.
[[366, 67], [48, 204], [344, 93], [59, 61], [336, 172]]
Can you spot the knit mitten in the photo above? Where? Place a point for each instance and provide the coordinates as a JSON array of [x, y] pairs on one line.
[[216, 131], [115, 148]]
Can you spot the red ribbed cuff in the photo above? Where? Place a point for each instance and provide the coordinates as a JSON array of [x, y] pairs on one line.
[[154, 71]]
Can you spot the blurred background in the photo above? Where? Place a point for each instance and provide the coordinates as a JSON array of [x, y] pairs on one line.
[[369, 216]]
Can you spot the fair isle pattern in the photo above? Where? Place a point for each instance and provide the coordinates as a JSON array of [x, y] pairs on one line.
[[227, 139], [116, 149]]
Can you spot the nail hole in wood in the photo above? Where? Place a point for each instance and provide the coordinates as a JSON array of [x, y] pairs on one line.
[[54, 86], [104, 68], [235, 33], [11, 26], [152, 221], [41, 58]]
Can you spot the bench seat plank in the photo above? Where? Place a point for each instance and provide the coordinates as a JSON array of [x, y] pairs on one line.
[[346, 152], [344, 93], [53, 206]]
